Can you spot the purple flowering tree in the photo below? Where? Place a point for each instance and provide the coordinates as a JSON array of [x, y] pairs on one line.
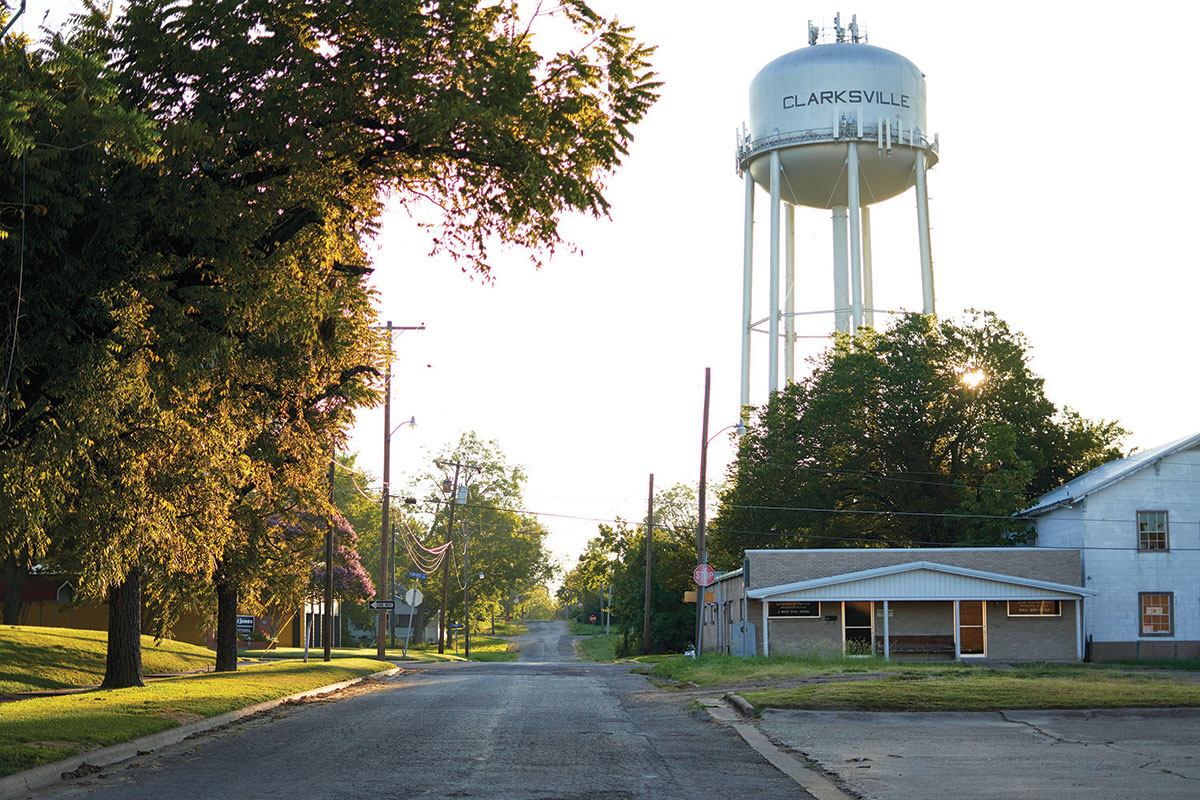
[[351, 583]]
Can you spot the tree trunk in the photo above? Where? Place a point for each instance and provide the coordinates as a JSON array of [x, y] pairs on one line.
[[14, 580], [123, 667], [227, 601]]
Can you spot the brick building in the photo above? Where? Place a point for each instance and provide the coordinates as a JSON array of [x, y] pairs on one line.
[[1006, 603]]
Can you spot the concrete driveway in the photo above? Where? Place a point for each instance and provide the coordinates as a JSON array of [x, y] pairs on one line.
[[1063, 755]]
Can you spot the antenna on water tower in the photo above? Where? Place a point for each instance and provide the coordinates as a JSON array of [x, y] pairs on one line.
[[810, 110]]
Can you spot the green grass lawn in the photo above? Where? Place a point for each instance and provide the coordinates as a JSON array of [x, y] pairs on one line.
[[713, 670], [585, 628], [36, 659], [515, 628], [46, 729], [423, 652], [598, 648], [484, 648], [986, 691], [948, 686]]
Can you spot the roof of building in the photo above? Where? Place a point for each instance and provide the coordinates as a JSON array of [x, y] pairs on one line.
[[1106, 475], [872, 576]]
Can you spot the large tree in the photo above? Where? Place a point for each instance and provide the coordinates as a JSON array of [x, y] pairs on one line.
[[930, 433], [170, 168]]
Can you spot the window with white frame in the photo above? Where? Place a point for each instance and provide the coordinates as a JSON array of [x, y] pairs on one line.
[[1152, 531], [1156, 611]]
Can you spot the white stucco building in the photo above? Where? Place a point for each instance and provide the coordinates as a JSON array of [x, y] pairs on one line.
[[1136, 524]]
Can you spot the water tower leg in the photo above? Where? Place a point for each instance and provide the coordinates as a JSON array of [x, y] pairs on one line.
[[773, 319], [855, 233], [868, 277], [789, 294], [747, 288], [923, 234], [841, 272]]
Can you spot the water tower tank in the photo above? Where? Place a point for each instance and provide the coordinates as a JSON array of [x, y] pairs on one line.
[[839, 126], [808, 103]]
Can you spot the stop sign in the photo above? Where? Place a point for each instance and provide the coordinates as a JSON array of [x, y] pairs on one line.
[[593, 618], [704, 575]]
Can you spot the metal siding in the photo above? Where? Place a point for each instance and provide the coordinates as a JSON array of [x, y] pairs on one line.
[[924, 585]]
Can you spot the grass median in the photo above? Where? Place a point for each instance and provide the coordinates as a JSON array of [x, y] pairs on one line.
[[873, 684], [45, 729], [985, 691]]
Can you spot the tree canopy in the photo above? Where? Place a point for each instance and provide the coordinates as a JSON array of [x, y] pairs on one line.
[[930, 433], [193, 185]]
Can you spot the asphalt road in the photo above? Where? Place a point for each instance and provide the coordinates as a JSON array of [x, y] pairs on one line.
[[545, 727]]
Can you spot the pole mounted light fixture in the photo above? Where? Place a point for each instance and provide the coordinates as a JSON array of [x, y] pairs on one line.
[[385, 544], [701, 547]]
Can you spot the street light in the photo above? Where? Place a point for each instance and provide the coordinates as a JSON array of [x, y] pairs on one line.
[[384, 615], [701, 551]]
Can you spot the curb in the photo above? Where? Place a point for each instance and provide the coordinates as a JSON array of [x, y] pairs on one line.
[[739, 704], [16, 785], [814, 782]]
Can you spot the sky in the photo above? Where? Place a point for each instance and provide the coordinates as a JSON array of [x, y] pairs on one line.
[[1063, 201]]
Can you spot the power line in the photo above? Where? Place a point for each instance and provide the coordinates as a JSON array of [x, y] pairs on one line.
[[923, 544], [865, 512]]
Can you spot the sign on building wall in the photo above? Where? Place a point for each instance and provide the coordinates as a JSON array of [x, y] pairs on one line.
[[1034, 608], [792, 608]]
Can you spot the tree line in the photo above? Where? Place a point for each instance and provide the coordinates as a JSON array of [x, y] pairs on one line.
[[186, 197]]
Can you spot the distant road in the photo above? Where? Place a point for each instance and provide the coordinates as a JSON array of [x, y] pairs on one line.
[[547, 642], [545, 727]]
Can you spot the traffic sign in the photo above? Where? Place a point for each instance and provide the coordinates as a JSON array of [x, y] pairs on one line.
[[418, 575], [592, 618], [414, 597], [382, 605], [704, 575]]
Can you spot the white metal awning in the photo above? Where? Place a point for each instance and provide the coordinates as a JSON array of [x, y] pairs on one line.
[[921, 580]]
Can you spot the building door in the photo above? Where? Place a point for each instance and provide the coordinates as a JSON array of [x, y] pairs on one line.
[[972, 631], [857, 618]]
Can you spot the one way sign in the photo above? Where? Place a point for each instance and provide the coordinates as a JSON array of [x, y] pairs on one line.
[[382, 605]]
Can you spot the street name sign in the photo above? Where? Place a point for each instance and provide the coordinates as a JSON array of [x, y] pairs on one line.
[[382, 605], [704, 575], [418, 575]]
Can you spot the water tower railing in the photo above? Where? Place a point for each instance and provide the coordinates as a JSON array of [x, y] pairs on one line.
[[750, 149]]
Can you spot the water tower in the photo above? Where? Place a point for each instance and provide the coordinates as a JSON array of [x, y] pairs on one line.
[[837, 125]]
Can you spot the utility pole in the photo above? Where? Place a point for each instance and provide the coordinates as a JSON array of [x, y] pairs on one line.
[[701, 545], [392, 583], [460, 469], [608, 615], [383, 616], [466, 590], [327, 617], [446, 563], [649, 557]]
